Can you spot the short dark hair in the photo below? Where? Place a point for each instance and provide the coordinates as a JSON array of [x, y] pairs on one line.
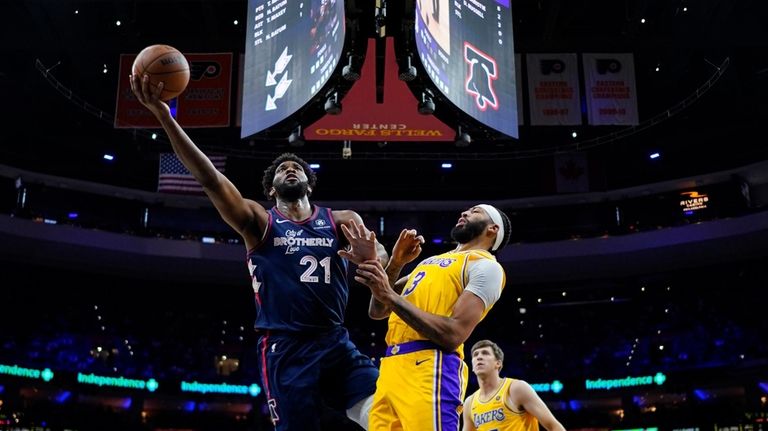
[[497, 352], [269, 173]]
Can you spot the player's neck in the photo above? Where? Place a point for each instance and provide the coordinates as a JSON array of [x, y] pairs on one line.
[[295, 210], [475, 244], [489, 386]]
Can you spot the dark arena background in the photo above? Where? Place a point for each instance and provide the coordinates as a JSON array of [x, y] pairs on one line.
[[625, 139]]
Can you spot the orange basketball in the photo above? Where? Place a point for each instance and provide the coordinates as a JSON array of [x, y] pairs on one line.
[[165, 64]]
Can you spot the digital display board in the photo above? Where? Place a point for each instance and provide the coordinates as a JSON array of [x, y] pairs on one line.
[[466, 47], [291, 49]]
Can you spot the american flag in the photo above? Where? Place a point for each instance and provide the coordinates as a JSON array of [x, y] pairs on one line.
[[173, 177]]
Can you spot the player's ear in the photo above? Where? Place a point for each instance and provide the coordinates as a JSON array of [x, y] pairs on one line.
[[272, 193], [309, 191]]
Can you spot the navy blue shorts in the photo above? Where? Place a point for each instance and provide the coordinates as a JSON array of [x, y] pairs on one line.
[[302, 372]]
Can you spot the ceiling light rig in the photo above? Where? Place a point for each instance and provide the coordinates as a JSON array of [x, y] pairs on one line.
[[410, 73], [462, 138], [332, 105], [295, 139], [380, 18], [349, 72], [427, 103]]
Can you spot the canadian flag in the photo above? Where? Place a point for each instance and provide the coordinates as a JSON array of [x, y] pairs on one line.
[[572, 173]]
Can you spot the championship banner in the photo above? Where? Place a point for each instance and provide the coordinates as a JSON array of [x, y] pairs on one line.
[[609, 80], [204, 103], [553, 89], [129, 113]]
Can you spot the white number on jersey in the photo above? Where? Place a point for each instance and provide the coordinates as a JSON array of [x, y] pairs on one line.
[[308, 275]]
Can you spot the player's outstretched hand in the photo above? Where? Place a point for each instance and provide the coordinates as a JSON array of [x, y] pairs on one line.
[[147, 95], [407, 248], [362, 242]]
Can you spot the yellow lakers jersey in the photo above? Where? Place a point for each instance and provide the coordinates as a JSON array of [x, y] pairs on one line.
[[434, 286], [494, 415]]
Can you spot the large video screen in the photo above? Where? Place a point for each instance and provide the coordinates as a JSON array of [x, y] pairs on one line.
[[467, 50], [291, 49]]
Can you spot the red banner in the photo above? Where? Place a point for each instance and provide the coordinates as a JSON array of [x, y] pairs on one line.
[[129, 113], [396, 119], [205, 102]]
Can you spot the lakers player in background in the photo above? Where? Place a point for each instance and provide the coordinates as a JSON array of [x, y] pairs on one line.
[[502, 403], [431, 313]]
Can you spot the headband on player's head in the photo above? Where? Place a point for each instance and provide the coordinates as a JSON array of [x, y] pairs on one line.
[[497, 220]]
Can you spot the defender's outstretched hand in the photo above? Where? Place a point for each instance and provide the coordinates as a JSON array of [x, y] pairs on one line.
[[362, 243], [407, 248]]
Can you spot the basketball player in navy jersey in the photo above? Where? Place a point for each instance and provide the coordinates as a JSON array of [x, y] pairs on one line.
[[297, 259]]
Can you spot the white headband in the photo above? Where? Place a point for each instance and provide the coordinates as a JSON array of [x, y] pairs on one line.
[[498, 220]]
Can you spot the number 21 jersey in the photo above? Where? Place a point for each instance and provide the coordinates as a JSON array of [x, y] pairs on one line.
[[298, 279]]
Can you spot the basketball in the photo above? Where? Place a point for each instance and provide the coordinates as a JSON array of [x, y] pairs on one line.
[[165, 64]]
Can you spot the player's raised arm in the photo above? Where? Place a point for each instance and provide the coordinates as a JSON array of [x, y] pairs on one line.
[[246, 216]]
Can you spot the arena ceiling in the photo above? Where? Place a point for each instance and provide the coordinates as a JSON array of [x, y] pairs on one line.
[[66, 130]]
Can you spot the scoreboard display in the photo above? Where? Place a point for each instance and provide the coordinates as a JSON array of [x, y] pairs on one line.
[[466, 47], [291, 49]]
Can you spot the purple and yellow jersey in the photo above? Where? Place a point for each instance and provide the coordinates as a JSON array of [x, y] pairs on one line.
[[298, 278], [495, 415], [434, 286]]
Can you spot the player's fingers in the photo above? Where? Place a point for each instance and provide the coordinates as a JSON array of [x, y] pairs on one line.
[[145, 85], [420, 238], [347, 231], [359, 228], [136, 83], [159, 89], [363, 273], [365, 267], [371, 266]]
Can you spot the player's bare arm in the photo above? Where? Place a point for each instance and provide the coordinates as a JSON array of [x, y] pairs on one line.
[[361, 242], [448, 332], [406, 249], [523, 397], [469, 425], [247, 217]]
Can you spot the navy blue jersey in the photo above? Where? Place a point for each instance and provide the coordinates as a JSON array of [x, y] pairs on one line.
[[298, 278]]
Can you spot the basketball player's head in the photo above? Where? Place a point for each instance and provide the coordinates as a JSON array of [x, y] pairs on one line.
[[487, 358], [483, 219], [288, 178]]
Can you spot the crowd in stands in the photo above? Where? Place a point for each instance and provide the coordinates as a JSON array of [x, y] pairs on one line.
[[704, 318]]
